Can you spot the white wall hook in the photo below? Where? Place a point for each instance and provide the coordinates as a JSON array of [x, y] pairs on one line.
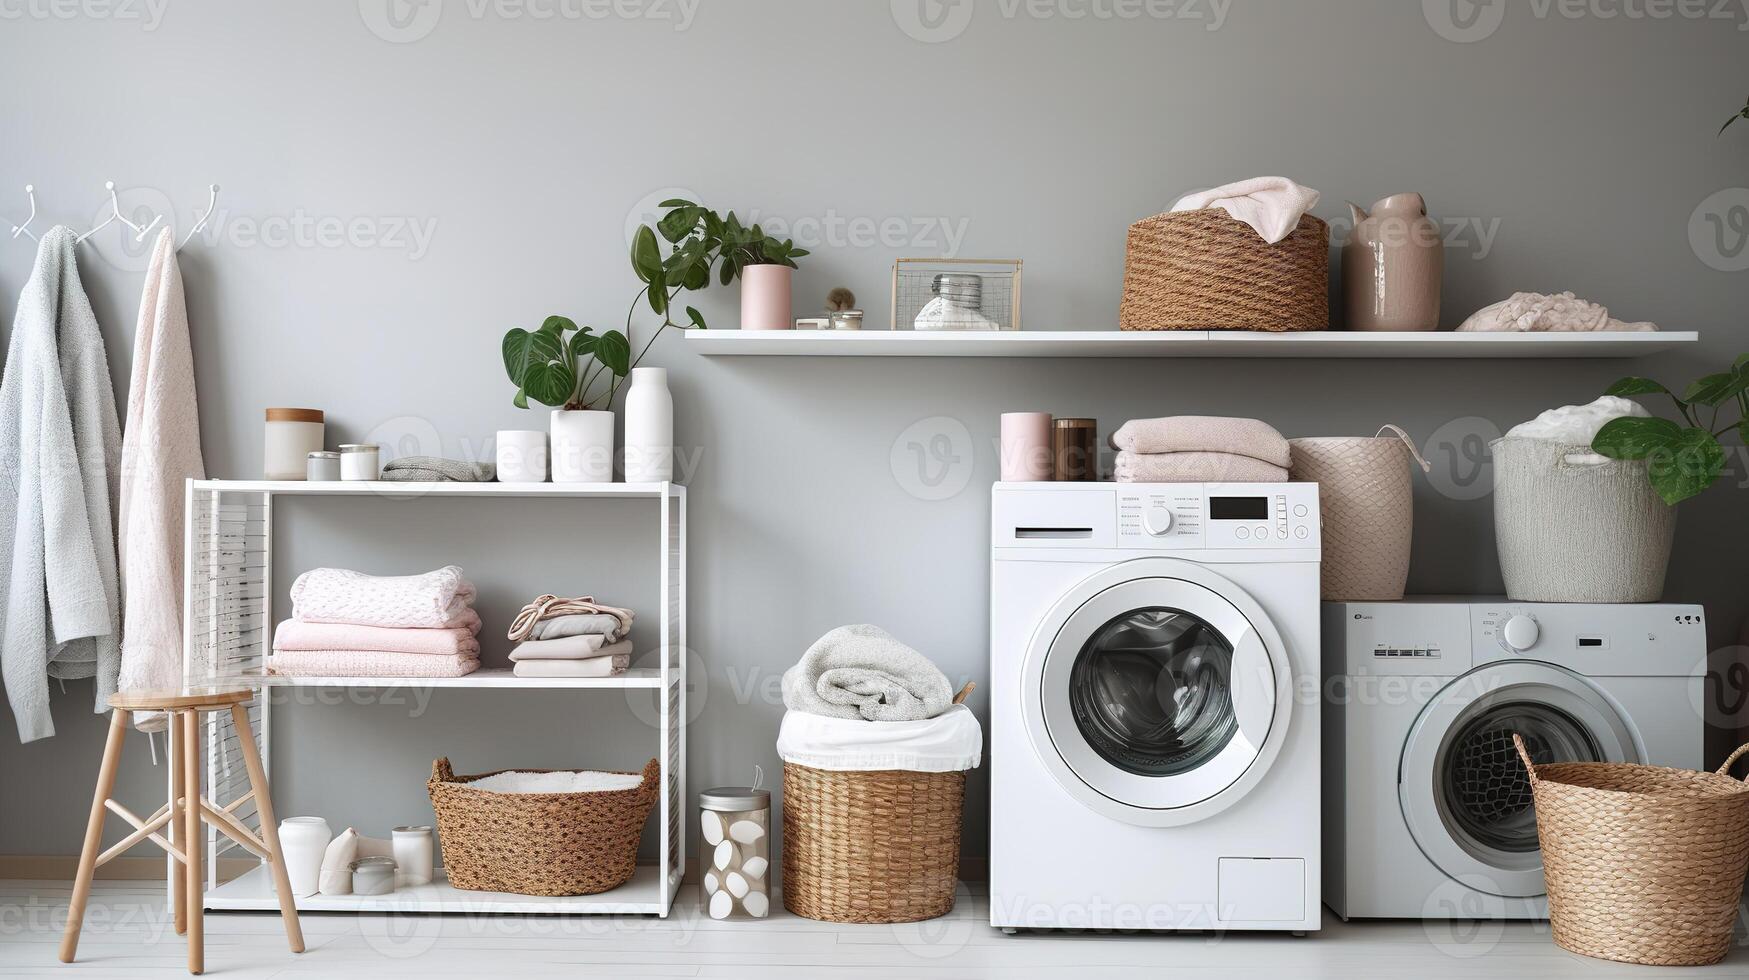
[[115, 215], [24, 229], [205, 216]]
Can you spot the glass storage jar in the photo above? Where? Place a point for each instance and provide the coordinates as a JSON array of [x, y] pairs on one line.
[[735, 824]]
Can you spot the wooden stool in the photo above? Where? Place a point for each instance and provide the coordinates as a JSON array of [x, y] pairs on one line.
[[184, 813]]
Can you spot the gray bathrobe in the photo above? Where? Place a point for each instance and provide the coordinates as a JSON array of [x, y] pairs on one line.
[[60, 449]]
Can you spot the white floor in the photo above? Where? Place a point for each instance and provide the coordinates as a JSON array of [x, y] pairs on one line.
[[128, 935]]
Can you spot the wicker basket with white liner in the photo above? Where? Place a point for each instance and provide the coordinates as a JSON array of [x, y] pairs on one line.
[[872, 813], [568, 843], [1573, 526], [1643, 864], [1366, 505]]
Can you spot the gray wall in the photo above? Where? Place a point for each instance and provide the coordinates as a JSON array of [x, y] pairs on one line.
[[1570, 152]]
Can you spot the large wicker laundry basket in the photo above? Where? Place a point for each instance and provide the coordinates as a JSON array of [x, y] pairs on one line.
[[1205, 270], [539, 843], [1643, 864], [1366, 508], [881, 846]]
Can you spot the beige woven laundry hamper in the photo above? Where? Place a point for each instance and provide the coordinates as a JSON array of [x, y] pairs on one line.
[[1206, 270], [1643, 864], [1366, 507]]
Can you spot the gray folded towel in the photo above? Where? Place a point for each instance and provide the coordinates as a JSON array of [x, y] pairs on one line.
[[436, 469], [862, 672]]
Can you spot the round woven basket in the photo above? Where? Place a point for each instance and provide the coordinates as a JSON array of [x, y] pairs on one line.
[[1643, 864], [1205, 270], [1366, 508], [539, 843]]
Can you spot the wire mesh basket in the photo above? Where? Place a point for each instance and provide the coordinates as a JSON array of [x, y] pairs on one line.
[[956, 294]]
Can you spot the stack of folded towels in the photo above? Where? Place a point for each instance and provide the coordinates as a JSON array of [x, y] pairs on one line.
[[571, 638], [1200, 449], [349, 624]]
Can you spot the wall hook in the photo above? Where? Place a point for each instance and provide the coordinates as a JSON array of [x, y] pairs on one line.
[[205, 216], [115, 215], [24, 229]]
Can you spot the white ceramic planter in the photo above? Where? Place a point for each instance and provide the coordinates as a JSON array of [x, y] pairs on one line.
[[521, 456], [649, 427], [582, 446], [765, 293], [302, 840]]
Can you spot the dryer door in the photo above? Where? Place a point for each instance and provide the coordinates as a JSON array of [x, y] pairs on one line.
[[1157, 692], [1463, 790]]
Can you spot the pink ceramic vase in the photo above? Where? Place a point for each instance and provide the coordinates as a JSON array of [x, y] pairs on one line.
[[1392, 266], [765, 297]]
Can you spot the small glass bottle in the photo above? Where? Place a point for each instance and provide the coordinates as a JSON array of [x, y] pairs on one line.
[[735, 852]]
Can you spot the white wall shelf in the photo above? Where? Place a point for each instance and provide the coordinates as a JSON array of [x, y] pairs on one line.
[[228, 617], [1179, 343]]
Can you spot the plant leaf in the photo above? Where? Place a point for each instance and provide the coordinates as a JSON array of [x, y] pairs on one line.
[[1636, 386], [583, 344], [515, 350], [614, 351], [1687, 466], [675, 202], [696, 317], [557, 324], [521, 399], [646, 255], [678, 223], [658, 295], [1715, 388], [1634, 438], [548, 377]]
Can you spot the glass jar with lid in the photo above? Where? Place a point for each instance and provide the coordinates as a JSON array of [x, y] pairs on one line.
[[735, 828]]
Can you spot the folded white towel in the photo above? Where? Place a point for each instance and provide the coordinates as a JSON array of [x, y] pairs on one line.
[[863, 672], [610, 666], [587, 781], [437, 599], [1272, 206]]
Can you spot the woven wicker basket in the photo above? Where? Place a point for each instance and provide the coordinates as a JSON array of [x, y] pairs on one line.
[[871, 846], [1205, 270], [1366, 508], [539, 843], [1643, 864]]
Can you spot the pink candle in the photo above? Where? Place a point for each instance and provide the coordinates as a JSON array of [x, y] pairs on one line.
[[1026, 447]]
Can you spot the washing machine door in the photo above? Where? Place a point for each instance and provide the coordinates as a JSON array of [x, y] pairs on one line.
[[1157, 692], [1462, 787]]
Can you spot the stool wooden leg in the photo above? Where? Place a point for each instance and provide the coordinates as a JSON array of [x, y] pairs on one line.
[[192, 837], [178, 784], [118, 729], [288, 909]]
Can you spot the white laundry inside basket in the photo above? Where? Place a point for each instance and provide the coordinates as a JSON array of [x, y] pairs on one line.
[[587, 781]]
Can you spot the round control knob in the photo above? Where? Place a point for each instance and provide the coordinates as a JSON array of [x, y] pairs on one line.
[[1157, 520], [1520, 633]]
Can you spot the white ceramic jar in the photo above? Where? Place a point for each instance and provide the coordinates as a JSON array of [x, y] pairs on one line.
[[302, 841], [649, 456], [521, 455], [582, 446], [735, 827], [292, 435], [323, 467], [413, 855], [360, 462]]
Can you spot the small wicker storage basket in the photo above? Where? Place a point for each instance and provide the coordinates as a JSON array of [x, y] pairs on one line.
[[871, 846], [1366, 508], [1643, 864], [539, 843], [1205, 270]]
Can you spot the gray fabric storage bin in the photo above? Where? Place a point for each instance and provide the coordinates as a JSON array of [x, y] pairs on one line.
[[1574, 531]]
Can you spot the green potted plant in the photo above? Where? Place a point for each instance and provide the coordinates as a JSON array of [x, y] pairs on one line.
[[1682, 458], [576, 372], [705, 242]]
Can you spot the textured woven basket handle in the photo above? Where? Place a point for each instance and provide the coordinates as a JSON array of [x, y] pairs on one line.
[[652, 782], [1725, 770], [441, 772], [1397, 431], [1524, 753], [960, 698]]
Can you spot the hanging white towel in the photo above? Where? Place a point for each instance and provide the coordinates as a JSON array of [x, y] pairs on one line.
[[57, 555], [160, 450], [1272, 206]]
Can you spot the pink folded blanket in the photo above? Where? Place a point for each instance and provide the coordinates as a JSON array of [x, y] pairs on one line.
[[570, 648], [1196, 468], [593, 667], [1204, 434], [297, 635], [368, 663], [435, 600]]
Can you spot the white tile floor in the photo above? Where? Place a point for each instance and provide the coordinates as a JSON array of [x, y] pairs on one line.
[[127, 934]]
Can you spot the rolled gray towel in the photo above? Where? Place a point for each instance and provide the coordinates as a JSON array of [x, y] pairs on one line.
[[862, 672], [436, 469]]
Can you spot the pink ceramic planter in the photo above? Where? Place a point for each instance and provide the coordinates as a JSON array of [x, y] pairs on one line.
[[765, 297]]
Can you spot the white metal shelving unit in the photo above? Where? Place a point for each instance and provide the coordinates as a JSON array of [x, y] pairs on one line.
[[1180, 343], [228, 617]]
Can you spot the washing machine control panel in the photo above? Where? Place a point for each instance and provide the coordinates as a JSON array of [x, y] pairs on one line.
[[1166, 516]]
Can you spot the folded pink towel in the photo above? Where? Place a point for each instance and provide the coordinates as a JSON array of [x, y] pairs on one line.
[[570, 648], [1196, 468], [368, 663], [296, 635], [436, 599], [593, 667], [1204, 434]]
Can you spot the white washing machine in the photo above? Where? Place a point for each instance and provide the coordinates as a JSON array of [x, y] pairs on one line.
[[1151, 766], [1428, 811]]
